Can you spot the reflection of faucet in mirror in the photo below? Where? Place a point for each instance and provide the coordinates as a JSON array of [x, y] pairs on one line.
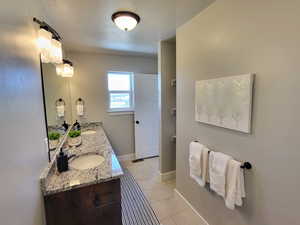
[[76, 125], [65, 126]]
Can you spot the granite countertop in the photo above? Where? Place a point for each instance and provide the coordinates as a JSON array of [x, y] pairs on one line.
[[54, 182]]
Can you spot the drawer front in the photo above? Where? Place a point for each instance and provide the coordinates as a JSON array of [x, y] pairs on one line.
[[96, 195], [105, 215]]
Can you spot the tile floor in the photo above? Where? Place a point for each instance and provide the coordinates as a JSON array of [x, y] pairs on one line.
[[169, 208]]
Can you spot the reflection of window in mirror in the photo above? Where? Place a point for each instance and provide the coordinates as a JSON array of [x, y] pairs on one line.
[[120, 91]]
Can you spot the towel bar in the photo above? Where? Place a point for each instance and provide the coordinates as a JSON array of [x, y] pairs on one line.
[[245, 165]]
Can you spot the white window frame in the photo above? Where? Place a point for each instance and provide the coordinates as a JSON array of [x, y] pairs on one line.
[[131, 94]]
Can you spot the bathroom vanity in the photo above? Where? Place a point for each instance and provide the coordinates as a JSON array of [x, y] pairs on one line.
[[89, 193]]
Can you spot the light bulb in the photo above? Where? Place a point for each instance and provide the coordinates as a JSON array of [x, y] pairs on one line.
[[45, 45], [59, 69], [56, 52], [68, 70]]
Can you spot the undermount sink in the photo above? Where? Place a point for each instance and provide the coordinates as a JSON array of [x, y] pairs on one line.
[[89, 132], [87, 161]]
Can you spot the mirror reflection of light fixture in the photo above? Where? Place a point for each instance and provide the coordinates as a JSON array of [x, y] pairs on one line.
[[56, 51], [65, 69], [44, 44], [125, 20], [59, 69]]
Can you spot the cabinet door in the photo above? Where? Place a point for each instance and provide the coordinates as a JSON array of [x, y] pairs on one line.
[[106, 215], [98, 204]]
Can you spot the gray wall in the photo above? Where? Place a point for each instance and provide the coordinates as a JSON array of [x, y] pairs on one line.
[[167, 72], [23, 152], [90, 83], [234, 37]]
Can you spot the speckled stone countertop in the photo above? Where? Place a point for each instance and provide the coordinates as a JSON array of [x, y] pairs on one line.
[[54, 182]]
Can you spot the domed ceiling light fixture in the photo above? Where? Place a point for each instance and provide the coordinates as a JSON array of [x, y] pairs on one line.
[[125, 20]]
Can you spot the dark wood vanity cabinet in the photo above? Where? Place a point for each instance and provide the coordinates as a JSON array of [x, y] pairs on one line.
[[98, 204]]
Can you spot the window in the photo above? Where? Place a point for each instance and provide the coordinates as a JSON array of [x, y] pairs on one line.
[[120, 91]]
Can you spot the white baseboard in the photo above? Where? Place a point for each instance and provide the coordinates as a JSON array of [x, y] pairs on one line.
[[168, 176], [127, 157], [189, 204]]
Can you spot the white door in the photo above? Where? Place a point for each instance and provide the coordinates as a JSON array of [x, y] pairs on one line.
[[146, 115]]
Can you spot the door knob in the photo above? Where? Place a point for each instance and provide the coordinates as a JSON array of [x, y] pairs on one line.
[[137, 122]]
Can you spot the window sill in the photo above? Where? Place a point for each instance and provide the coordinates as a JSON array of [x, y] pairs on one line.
[[120, 113]]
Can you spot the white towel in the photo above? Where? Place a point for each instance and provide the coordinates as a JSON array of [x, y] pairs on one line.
[[205, 156], [79, 108], [195, 158], [202, 178], [60, 109], [217, 171], [235, 187]]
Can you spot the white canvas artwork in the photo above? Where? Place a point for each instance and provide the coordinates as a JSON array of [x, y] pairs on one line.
[[225, 102]]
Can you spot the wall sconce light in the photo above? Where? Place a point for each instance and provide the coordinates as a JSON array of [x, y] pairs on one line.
[[65, 69], [49, 43]]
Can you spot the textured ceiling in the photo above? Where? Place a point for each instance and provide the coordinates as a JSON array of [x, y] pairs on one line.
[[86, 25]]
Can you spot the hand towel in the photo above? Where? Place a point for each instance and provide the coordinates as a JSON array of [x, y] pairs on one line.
[[235, 188], [60, 109], [202, 178], [79, 110], [195, 158], [241, 193], [217, 171]]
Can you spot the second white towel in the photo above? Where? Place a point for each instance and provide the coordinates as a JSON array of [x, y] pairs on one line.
[[218, 163]]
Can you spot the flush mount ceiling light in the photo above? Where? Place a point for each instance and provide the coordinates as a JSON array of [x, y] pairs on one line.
[[125, 20]]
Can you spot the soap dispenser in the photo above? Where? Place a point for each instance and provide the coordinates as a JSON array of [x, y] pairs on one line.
[[62, 162], [65, 126]]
